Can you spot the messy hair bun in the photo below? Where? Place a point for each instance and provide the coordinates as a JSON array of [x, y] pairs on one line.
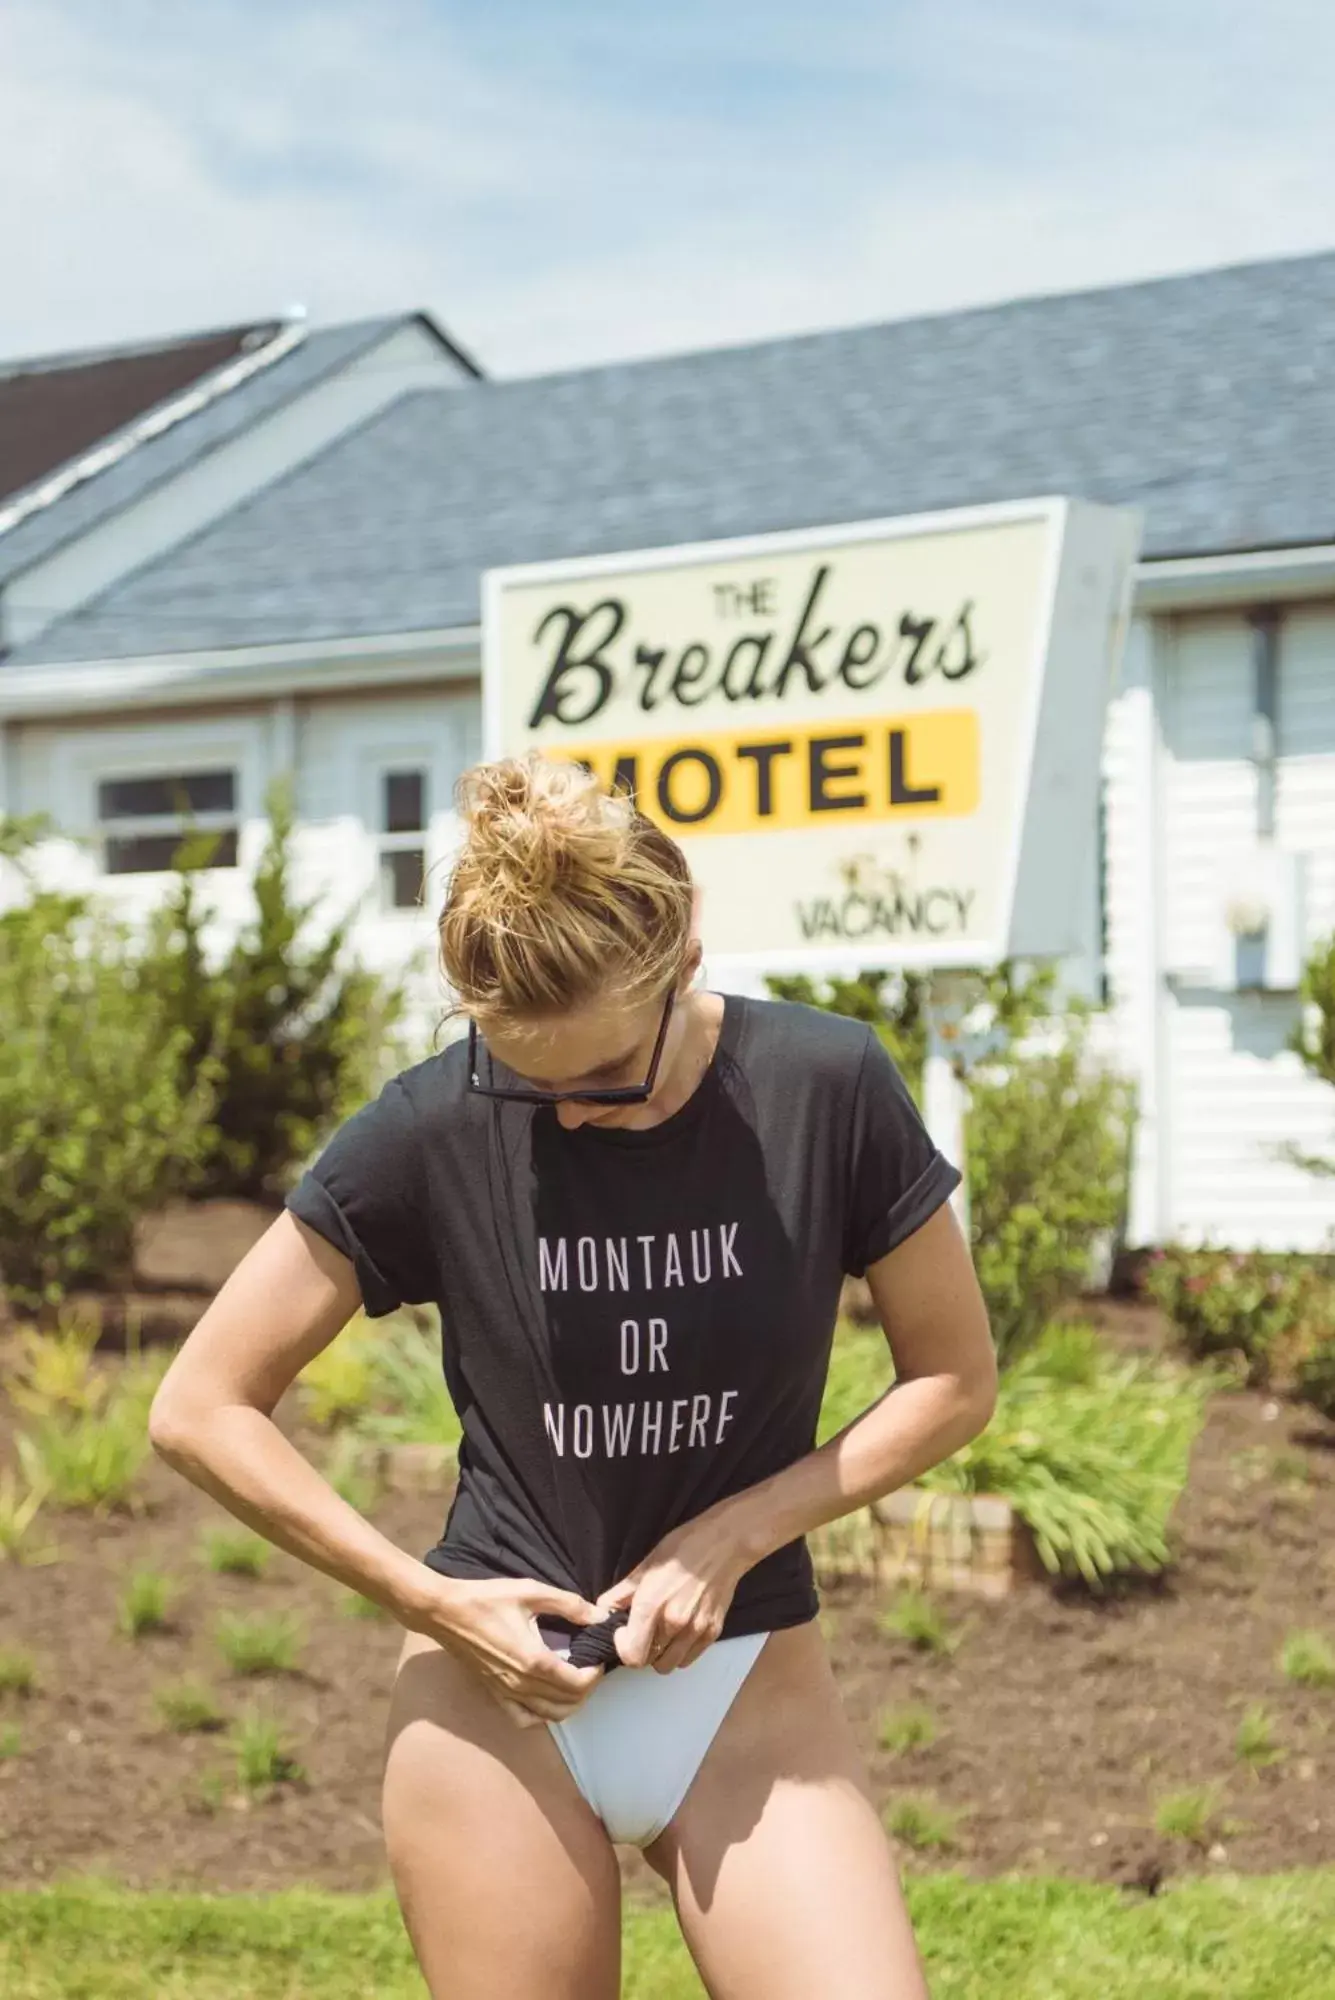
[[561, 888]]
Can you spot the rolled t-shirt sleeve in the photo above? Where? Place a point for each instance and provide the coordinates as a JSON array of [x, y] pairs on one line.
[[364, 1195], [897, 1176]]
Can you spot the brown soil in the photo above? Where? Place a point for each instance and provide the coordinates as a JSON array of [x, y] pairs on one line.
[[1061, 1719]]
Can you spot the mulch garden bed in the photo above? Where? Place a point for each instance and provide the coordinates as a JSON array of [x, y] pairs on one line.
[[1061, 1718]]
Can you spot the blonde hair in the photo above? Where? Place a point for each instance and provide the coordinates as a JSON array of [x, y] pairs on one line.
[[561, 889]]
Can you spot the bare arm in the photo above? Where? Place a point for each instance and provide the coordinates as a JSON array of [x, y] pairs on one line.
[[212, 1417], [944, 1394], [212, 1421]]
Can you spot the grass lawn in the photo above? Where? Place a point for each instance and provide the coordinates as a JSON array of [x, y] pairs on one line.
[[1253, 1938]]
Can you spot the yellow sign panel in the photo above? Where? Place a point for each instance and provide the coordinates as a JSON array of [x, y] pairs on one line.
[[837, 772]]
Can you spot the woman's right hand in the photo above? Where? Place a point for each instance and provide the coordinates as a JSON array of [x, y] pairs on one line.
[[492, 1624]]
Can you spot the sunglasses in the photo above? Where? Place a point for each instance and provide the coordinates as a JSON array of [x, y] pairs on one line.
[[627, 1093]]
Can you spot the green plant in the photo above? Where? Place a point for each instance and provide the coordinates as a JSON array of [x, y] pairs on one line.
[[338, 1384], [860, 1372], [1048, 1143], [350, 1469], [18, 1671], [187, 1706], [1313, 1039], [11, 1740], [917, 1618], [146, 1604], [100, 1117], [922, 1822], [53, 1370], [1308, 1658], [262, 1758], [1253, 1304], [260, 1643], [89, 1460], [1190, 1815], [1314, 1378], [235, 1551], [413, 1403], [910, 1727], [1047, 1135], [1093, 1466], [300, 1032], [1255, 1742], [18, 1515]]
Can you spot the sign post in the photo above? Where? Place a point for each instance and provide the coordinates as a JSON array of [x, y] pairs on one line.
[[878, 744]]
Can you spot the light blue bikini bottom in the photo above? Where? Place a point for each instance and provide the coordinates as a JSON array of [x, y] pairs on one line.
[[636, 1742]]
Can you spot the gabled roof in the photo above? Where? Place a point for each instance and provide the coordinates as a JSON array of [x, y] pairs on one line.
[[250, 372], [57, 407], [1208, 400]]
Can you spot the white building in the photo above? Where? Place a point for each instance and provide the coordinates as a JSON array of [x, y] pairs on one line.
[[275, 569]]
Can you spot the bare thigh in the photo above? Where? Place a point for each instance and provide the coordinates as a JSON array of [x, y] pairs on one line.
[[506, 1878], [783, 1876]]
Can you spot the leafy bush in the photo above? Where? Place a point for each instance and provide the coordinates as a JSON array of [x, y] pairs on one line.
[[101, 1117], [1258, 1305], [300, 1035], [1048, 1131], [1048, 1149], [1091, 1450], [1314, 1378], [1313, 1040]]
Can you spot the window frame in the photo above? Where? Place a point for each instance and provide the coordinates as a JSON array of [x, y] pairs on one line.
[[412, 840]]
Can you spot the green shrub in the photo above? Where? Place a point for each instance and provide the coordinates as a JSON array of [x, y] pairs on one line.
[[1314, 1378], [89, 1460], [101, 1118], [1257, 1305], [1313, 1039], [900, 1730], [260, 1643], [1048, 1132], [1092, 1456], [922, 1822], [1308, 1658], [1048, 1146], [919, 1620], [301, 1034], [1191, 1815]]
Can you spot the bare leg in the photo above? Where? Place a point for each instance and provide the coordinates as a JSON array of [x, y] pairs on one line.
[[506, 1878], [783, 1876]]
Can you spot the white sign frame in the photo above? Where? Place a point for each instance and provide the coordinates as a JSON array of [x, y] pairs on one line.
[[1112, 534]]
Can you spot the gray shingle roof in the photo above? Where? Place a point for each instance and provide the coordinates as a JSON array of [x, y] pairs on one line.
[[322, 352], [1209, 400]]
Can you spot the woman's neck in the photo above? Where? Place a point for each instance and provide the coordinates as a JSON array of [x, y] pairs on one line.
[[699, 1024]]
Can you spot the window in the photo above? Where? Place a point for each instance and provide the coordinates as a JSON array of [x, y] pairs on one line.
[[403, 810], [143, 820]]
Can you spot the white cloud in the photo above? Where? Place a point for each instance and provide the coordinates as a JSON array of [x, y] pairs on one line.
[[631, 186]]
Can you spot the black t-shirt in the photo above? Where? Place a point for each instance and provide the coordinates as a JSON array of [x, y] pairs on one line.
[[635, 1323]]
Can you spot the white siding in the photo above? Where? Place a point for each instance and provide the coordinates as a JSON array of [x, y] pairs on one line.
[[1236, 1095], [1132, 894], [341, 745]]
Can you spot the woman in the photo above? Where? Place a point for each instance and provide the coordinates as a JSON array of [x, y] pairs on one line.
[[633, 1201]]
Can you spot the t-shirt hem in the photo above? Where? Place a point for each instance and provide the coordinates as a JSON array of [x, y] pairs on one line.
[[311, 1202], [933, 1187], [774, 1612]]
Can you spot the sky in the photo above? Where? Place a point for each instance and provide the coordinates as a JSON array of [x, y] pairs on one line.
[[569, 183]]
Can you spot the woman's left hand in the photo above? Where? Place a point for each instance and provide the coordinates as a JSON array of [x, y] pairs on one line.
[[678, 1596]]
